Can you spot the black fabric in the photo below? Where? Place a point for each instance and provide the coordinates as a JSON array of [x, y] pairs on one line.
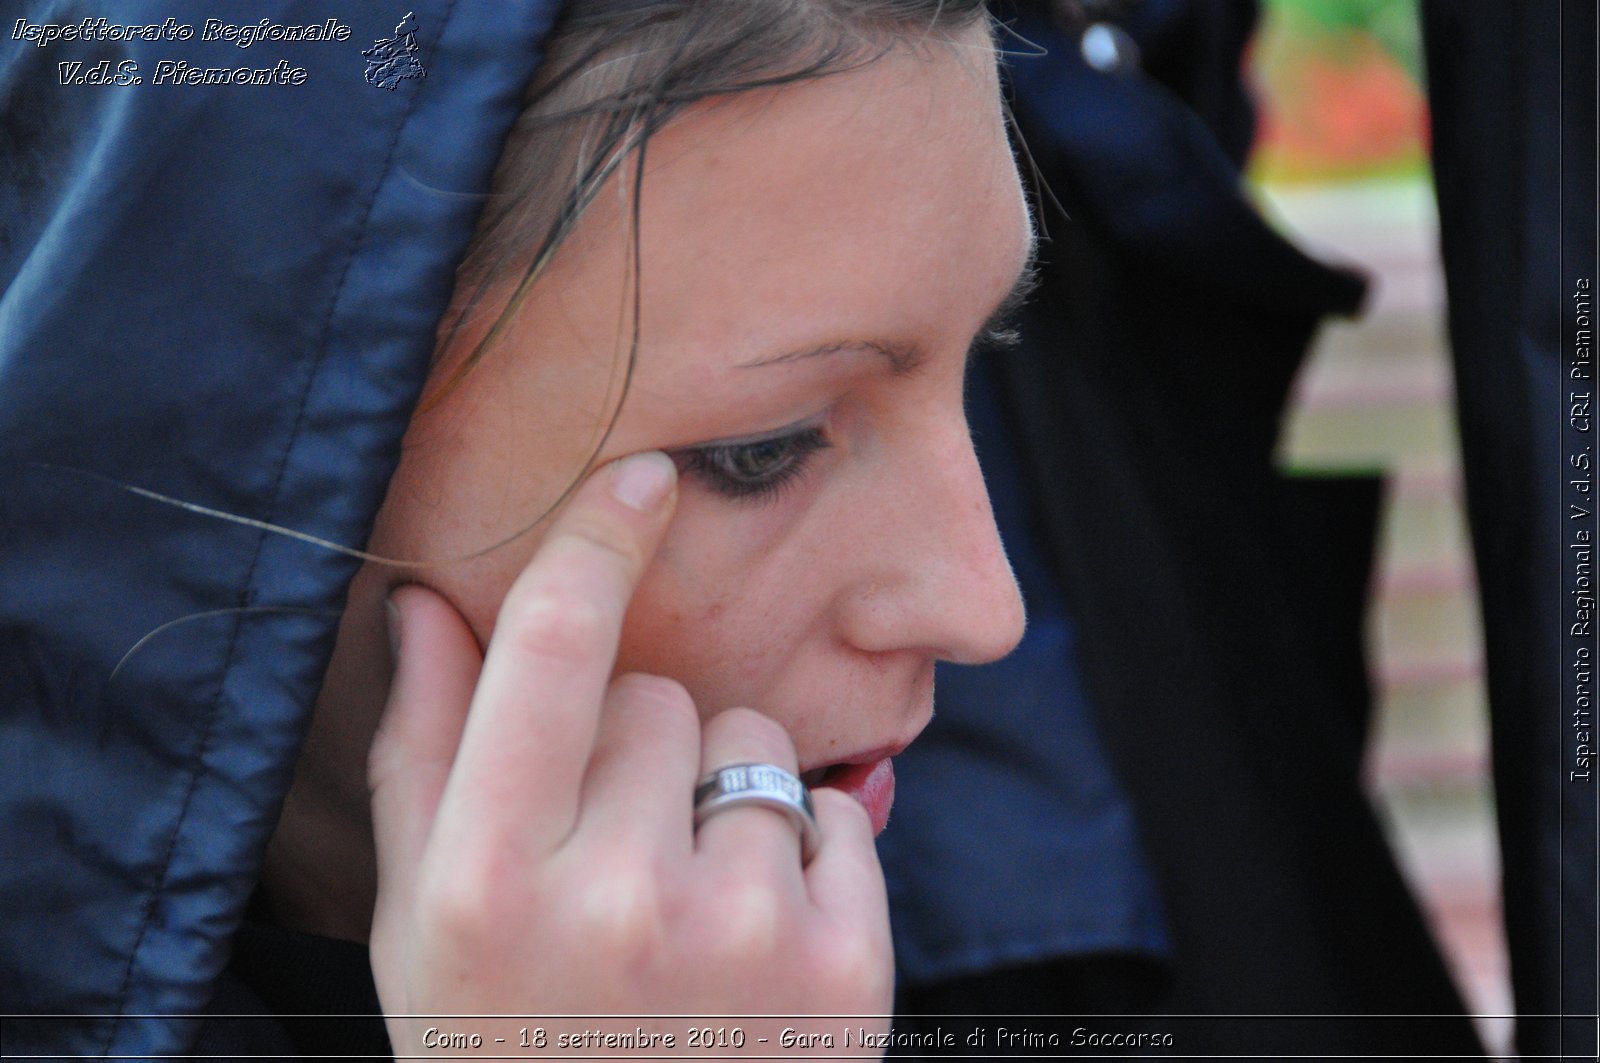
[[971, 1008], [292, 995], [1219, 602], [1512, 91]]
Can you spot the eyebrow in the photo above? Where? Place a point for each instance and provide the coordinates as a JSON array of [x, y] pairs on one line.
[[904, 358]]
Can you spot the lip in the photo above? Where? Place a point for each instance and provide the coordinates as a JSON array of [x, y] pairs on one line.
[[871, 783], [869, 776]]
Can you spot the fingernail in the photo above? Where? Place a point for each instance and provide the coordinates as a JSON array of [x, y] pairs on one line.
[[391, 618], [641, 481]]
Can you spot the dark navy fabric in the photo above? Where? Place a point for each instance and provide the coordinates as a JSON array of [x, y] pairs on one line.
[[225, 294], [1135, 162], [1012, 841]]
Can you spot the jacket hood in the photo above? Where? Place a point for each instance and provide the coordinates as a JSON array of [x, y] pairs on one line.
[[219, 286]]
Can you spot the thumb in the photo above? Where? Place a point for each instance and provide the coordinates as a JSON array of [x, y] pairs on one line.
[[436, 671]]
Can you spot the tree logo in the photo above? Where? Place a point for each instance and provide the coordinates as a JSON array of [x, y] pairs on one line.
[[391, 60]]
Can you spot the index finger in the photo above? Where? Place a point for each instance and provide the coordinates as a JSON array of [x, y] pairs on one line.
[[532, 726]]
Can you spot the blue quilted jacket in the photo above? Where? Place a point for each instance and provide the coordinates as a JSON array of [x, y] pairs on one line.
[[222, 258]]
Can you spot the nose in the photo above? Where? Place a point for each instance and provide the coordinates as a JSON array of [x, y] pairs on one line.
[[935, 577]]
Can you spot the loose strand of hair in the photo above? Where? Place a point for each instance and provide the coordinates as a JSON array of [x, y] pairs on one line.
[[238, 610]]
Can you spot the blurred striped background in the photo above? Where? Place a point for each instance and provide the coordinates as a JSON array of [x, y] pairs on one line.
[[1342, 166]]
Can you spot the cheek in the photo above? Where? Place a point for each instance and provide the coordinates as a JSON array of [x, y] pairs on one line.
[[718, 610]]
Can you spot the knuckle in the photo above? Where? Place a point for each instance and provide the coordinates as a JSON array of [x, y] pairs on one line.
[[658, 710], [621, 911], [564, 630], [756, 735], [748, 921], [657, 692], [471, 894], [610, 538], [459, 908]]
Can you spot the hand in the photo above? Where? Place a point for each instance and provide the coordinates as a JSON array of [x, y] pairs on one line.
[[533, 821]]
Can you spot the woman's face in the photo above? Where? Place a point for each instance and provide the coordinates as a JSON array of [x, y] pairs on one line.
[[816, 263]]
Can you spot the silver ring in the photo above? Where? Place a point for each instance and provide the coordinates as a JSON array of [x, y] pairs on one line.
[[766, 785]]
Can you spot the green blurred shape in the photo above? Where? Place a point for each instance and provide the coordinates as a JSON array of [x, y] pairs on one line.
[[1392, 23]]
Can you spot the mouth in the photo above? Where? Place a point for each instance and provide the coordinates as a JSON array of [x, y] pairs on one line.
[[868, 778], [820, 776]]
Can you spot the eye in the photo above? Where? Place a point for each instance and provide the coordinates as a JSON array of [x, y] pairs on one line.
[[754, 471]]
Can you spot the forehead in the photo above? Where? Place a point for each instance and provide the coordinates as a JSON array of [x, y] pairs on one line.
[[880, 198]]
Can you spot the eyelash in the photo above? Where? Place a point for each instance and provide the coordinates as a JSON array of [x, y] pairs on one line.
[[716, 465], [782, 460]]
